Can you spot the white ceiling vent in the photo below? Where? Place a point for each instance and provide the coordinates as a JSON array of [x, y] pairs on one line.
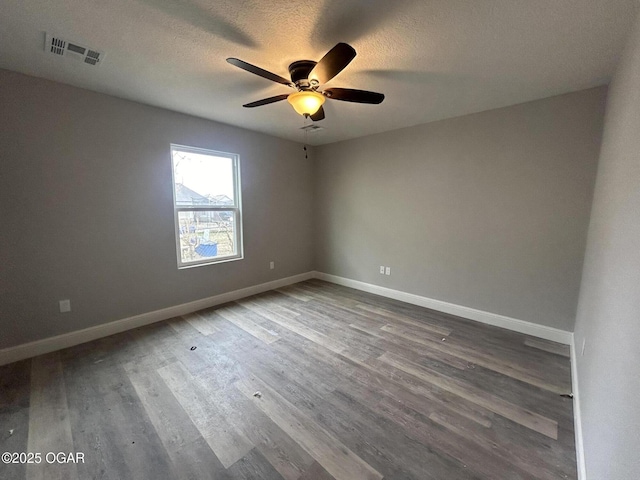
[[56, 45], [311, 128]]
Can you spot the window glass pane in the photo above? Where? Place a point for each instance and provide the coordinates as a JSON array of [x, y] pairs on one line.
[[207, 234], [202, 179]]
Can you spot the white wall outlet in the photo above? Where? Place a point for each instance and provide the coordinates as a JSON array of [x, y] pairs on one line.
[[272, 265], [387, 271], [584, 344], [65, 306], [381, 270]]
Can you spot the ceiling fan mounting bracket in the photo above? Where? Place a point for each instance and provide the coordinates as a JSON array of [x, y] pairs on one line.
[[303, 84]]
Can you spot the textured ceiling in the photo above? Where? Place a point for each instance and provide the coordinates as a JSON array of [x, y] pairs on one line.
[[433, 59]]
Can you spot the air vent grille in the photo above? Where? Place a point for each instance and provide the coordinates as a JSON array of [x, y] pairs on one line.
[[59, 46], [72, 47], [92, 57]]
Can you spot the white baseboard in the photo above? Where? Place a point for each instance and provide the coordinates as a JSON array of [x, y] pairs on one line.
[[70, 339], [520, 326], [51, 344], [577, 414]]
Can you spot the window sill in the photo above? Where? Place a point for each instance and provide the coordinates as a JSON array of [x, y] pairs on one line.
[[210, 262]]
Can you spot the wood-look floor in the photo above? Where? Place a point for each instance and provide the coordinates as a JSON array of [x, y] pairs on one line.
[[351, 386]]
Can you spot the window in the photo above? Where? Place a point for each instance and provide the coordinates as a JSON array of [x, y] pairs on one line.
[[206, 199]]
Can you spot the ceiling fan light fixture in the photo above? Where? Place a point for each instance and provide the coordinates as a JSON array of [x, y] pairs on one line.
[[306, 102], [306, 77]]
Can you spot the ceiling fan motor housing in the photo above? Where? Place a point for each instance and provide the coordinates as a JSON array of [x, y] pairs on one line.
[[300, 71]]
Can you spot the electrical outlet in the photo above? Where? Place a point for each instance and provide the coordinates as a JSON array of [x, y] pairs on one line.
[[387, 271], [381, 270], [584, 344], [65, 306], [272, 265]]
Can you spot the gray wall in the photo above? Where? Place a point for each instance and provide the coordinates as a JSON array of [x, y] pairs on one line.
[[86, 208], [609, 308], [488, 211]]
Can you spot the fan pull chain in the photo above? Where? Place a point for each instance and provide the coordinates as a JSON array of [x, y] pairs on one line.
[[306, 132]]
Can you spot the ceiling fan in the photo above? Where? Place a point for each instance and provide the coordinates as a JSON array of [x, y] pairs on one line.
[[306, 77]]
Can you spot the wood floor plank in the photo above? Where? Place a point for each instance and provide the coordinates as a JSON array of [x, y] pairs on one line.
[[295, 326], [206, 326], [524, 459], [189, 452], [484, 399], [395, 344], [414, 394], [228, 444], [551, 347], [280, 450], [183, 329], [316, 472], [324, 297], [231, 314], [320, 369], [469, 354], [253, 466], [397, 318], [328, 451], [483, 463], [109, 422], [345, 314], [275, 301], [154, 342], [49, 425], [374, 438], [15, 388], [320, 324], [294, 293], [215, 373], [266, 370], [419, 314], [286, 364], [440, 402]]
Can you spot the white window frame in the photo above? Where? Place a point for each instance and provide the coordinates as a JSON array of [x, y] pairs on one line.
[[236, 208]]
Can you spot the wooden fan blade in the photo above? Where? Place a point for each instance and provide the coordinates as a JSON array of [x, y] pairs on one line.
[[266, 101], [351, 95], [319, 115], [259, 71], [333, 63]]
